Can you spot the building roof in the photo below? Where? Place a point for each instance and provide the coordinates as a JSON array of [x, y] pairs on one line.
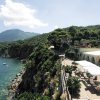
[[95, 53], [89, 67]]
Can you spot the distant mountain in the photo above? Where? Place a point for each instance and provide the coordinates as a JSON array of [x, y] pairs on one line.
[[15, 34]]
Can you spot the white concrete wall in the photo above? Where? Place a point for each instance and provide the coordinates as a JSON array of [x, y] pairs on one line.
[[83, 56]]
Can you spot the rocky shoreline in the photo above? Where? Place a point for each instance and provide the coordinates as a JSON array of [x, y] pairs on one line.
[[14, 85]]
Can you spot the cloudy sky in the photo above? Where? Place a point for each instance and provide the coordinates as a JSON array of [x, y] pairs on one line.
[[45, 15]]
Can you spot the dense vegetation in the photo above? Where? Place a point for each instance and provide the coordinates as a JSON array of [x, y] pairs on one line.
[[73, 82], [42, 68], [64, 40], [42, 64], [74, 85], [68, 40], [77, 36], [22, 49], [31, 96]]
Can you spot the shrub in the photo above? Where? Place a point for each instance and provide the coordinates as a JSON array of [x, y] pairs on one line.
[[32, 96], [73, 84]]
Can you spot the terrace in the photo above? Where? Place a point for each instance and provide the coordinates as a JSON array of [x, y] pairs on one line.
[[89, 79]]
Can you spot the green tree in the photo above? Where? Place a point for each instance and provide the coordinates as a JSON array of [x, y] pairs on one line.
[[69, 69], [73, 84], [32, 96], [72, 30]]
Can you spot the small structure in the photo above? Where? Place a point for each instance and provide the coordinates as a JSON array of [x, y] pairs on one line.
[[94, 56], [51, 47], [90, 55], [62, 56]]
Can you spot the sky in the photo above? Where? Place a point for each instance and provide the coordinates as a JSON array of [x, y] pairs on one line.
[[42, 16]]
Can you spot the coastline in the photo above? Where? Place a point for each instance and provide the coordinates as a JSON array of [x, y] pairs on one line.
[[14, 85]]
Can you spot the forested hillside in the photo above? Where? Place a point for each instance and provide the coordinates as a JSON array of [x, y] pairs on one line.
[[42, 64], [15, 34]]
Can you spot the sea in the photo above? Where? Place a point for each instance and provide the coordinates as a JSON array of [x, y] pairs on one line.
[[8, 69]]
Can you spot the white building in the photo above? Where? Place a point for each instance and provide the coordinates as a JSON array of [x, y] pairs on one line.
[[92, 56]]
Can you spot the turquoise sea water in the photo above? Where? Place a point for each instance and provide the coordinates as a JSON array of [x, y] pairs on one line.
[[7, 73]]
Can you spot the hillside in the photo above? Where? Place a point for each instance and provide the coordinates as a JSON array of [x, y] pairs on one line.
[[42, 64], [15, 34]]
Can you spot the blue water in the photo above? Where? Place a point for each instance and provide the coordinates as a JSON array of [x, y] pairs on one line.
[[7, 73]]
